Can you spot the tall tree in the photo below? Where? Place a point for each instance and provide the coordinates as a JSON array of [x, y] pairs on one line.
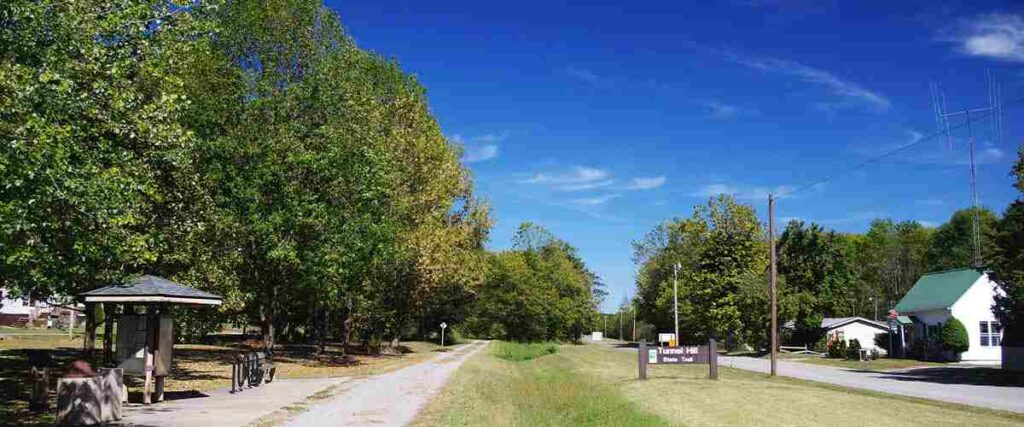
[[722, 254], [1007, 264], [952, 244]]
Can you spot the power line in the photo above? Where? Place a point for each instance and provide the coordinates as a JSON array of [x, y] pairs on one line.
[[899, 149]]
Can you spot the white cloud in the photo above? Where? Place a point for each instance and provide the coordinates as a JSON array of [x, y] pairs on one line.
[[479, 148], [645, 183], [585, 185], [588, 77], [480, 153], [594, 201], [720, 111], [996, 36], [738, 192], [577, 175], [846, 89]]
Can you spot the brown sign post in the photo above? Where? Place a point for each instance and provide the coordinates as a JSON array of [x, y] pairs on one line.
[[679, 355]]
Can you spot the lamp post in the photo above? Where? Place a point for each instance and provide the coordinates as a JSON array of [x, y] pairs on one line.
[[675, 297]]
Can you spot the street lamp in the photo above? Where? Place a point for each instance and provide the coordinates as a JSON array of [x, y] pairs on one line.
[[675, 296]]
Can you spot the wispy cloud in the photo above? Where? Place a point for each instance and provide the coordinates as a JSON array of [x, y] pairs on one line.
[[645, 183], [995, 36], [742, 192], [594, 201], [589, 77], [719, 110], [574, 176], [848, 90], [479, 148]]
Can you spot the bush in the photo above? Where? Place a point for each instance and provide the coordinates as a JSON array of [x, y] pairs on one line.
[[953, 337], [836, 348], [518, 352], [853, 350]]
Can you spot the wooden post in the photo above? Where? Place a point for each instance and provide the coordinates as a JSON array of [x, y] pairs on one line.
[[772, 290], [150, 359], [108, 334], [713, 359], [90, 329], [641, 355]]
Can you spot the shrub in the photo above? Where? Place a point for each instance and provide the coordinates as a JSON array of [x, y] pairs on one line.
[[853, 350], [836, 348], [518, 352], [953, 337]]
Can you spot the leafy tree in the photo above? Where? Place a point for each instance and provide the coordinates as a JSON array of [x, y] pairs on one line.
[[820, 278], [953, 337], [952, 244], [95, 160], [722, 254], [1007, 264], [889, 258], [540, 290]]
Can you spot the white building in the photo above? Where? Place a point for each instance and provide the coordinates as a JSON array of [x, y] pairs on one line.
[[855, 328], [965, 294], [849, 329]]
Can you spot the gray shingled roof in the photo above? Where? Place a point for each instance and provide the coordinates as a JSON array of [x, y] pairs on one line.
[[151, 286]]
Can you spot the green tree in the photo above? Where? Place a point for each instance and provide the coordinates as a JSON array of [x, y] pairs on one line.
[[1007, 264], [96, 163], [723, 256], [952, 244], [953, 337], [889, 258]]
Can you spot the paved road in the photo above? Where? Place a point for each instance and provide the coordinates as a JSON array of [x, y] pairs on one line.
[[391, 399], [976, 386]]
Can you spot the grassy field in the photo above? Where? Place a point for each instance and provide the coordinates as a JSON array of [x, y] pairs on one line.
[[591, 385], [517, 352], [196, 368]]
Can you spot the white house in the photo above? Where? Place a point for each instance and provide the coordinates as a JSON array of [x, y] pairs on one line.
[[855, 328], [852, 328], [966, 294]]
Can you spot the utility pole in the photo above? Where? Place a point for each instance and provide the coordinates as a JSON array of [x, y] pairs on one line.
[[771, 291], [620, 323], [633, 310], [675, 297]]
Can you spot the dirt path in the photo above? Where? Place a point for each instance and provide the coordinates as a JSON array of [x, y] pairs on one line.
[[391, 399]]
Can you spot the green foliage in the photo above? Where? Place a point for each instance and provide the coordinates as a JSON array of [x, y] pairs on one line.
[[722, 253], [853, 349], [541, 290], [953, 337], [820, 278], [835, 348], [518, 352], [1007, 264], [952, 244]]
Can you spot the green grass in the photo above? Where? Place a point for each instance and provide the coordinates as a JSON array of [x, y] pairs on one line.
[[546, 391], [518, 352], [873, 365], [595, 385]]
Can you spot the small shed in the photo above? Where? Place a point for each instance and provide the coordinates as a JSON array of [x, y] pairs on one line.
[[145, 326]]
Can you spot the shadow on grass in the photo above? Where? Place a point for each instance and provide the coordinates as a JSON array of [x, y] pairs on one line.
[[974, 375]]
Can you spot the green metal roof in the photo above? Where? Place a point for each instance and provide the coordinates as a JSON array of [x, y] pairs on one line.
[[938, 290]]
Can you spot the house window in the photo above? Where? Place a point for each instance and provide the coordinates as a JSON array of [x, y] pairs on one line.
[[990, 333]]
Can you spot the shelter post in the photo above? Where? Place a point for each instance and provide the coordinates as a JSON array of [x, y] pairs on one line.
[[90, 329]]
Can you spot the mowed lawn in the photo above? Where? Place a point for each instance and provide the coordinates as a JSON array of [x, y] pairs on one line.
[[593, 385]]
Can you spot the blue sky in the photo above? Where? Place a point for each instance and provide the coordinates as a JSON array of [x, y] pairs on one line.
[[600, 120]]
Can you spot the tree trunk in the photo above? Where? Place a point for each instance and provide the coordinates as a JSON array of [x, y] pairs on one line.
[[392, 347], [267, 325], [346, 326]]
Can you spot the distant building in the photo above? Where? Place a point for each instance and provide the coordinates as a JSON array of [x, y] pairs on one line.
[[851, 328], [966, 294]]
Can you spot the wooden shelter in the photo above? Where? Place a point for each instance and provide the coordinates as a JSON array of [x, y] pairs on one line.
[[145, 327]]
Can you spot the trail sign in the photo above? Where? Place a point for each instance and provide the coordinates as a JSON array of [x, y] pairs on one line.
[[679, 355], [666, 337], [443, 325]]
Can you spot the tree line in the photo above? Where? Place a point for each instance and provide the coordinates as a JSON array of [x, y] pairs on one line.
[[253, 150], [722, 255]]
